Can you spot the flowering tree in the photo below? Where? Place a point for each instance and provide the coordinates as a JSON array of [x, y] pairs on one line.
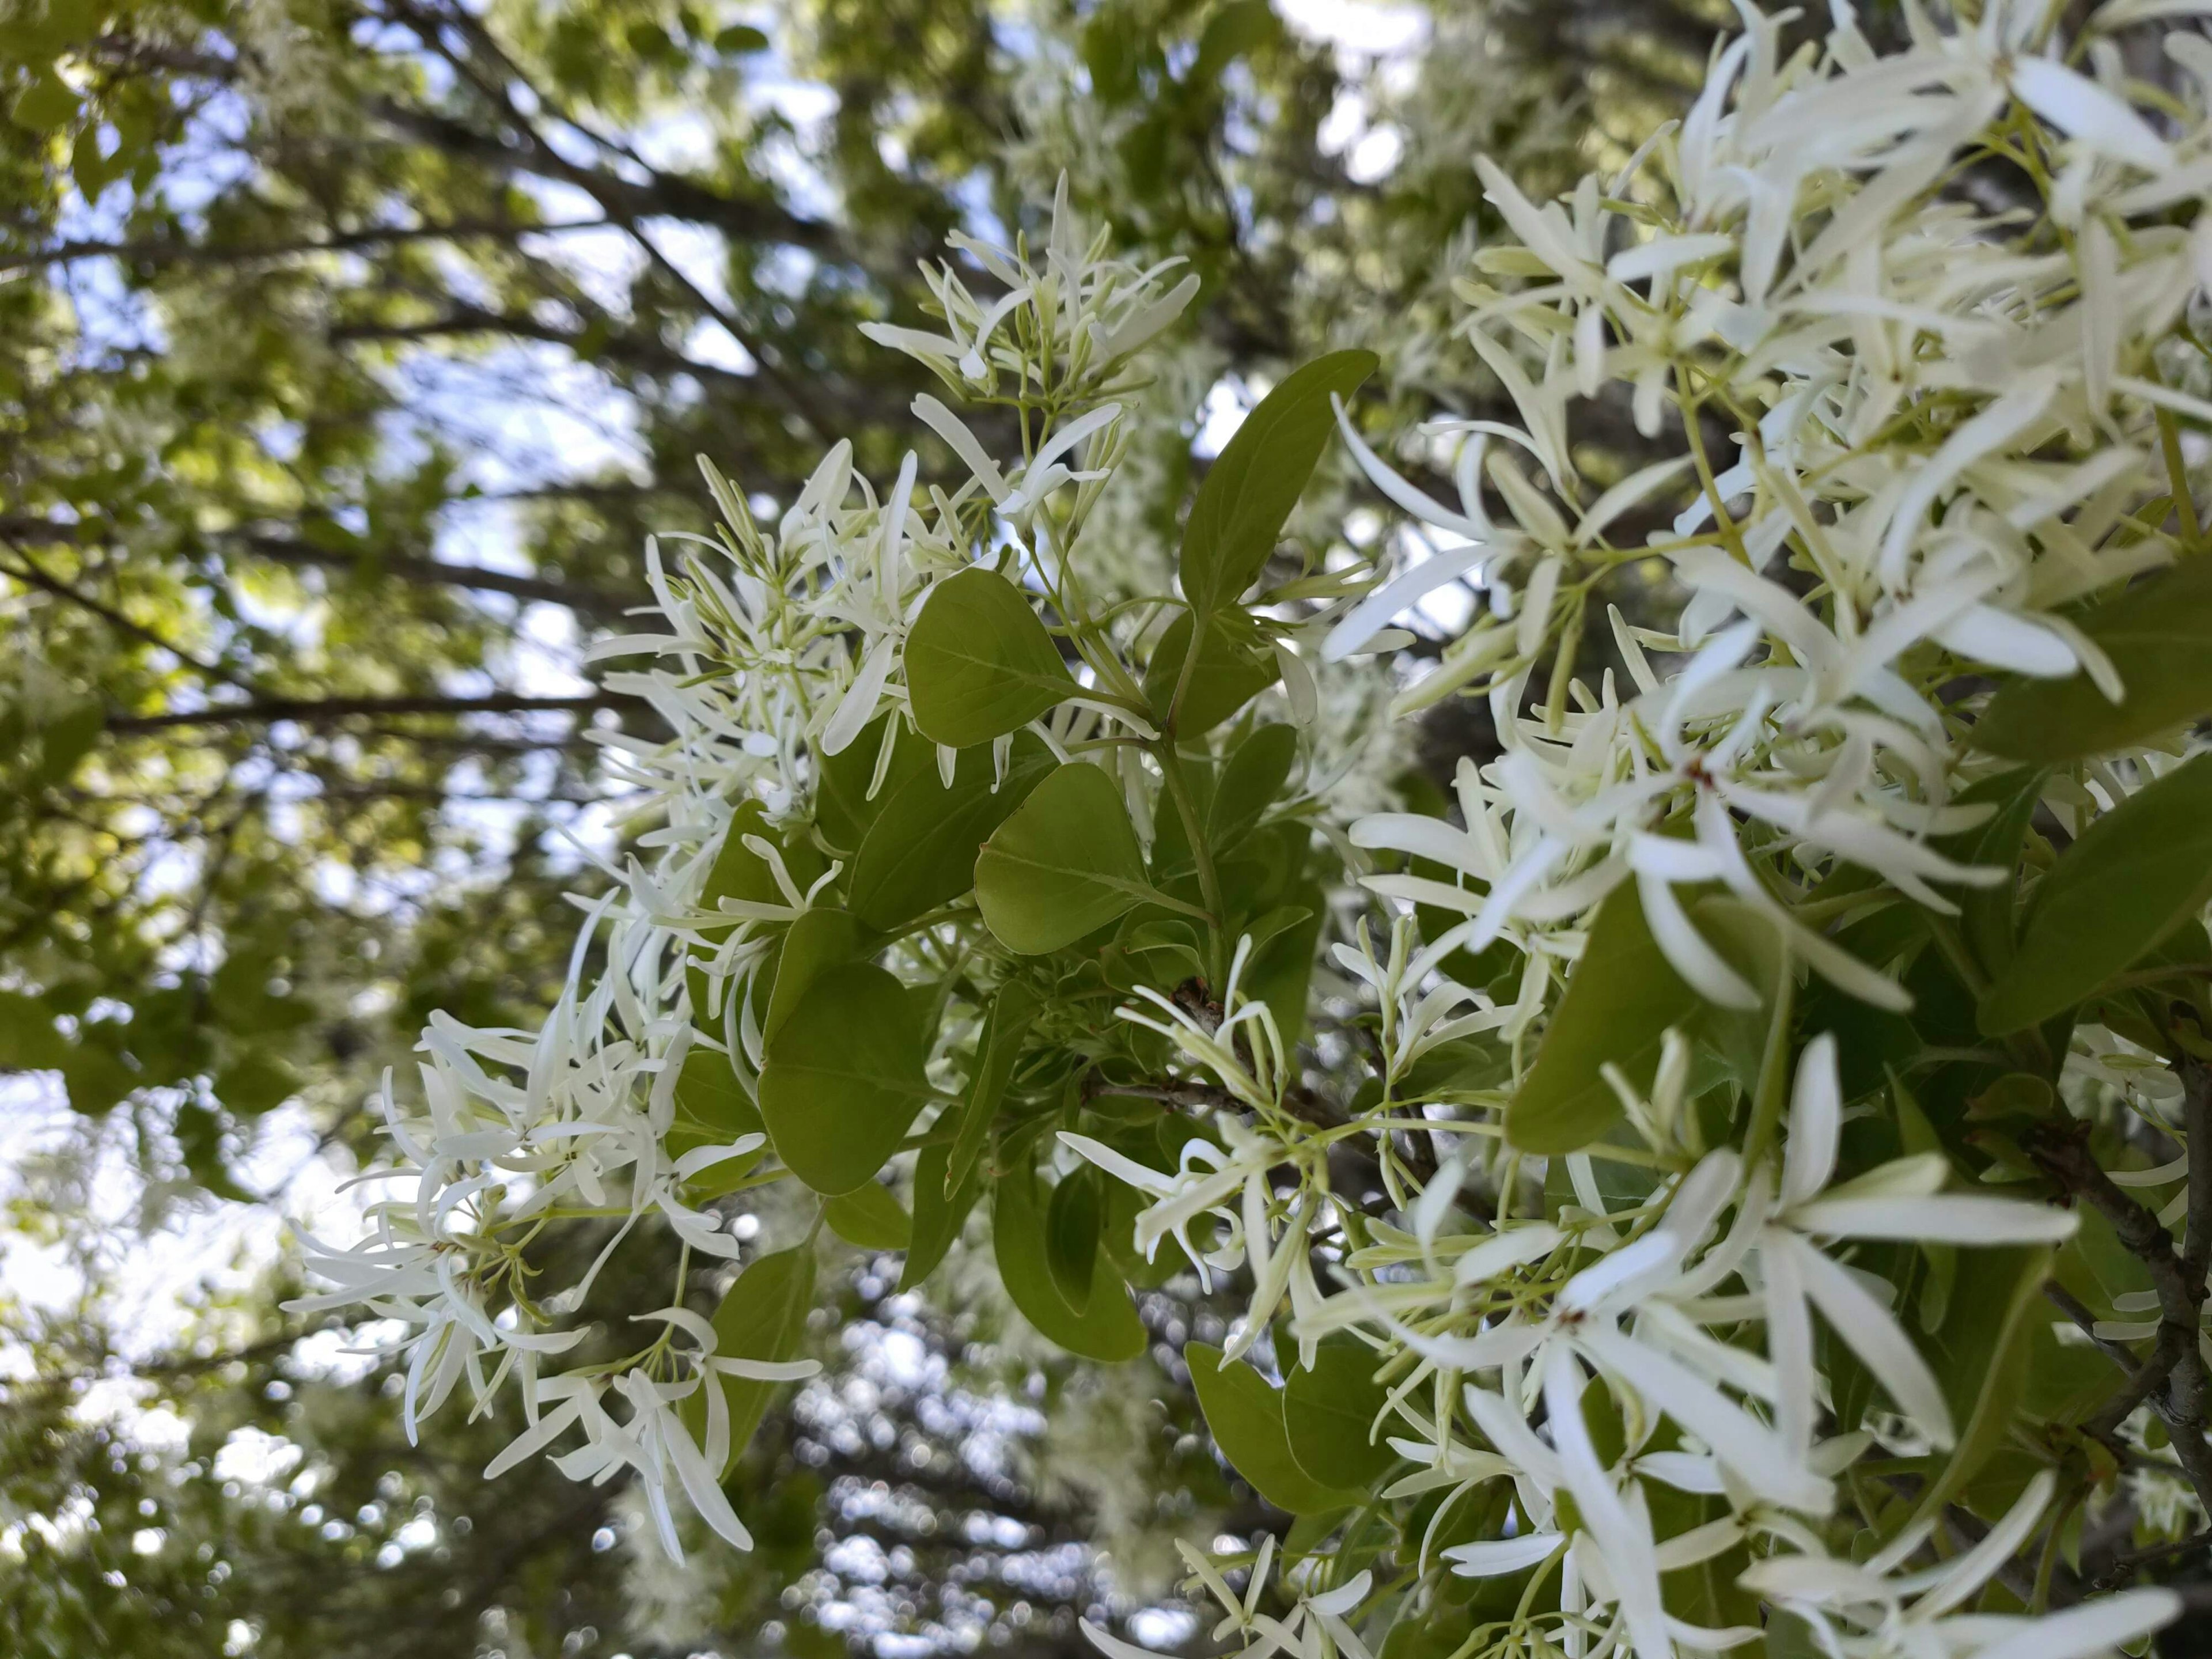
[[1743, 1169]]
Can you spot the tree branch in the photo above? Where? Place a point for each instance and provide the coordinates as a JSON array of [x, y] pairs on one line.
[[317, 710], [2060, 1150]]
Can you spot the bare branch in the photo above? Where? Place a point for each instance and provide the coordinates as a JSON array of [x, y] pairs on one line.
[[318, 710]]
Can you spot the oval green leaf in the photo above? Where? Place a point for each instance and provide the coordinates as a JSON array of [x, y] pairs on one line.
[[2159, 635], [816, 941], [979, 663], [712, 1110], [1065, 864], [919, 848], [1250, 784], [1245, 1417], [869, 1217], [1328, 1413], [940, 1208], [2135, 875], [1234, 664], [762, 1318], [1070, 1236], [996, 1051], [1619, 1000], [1108, 1330], [844, 1079], [1252, 486]]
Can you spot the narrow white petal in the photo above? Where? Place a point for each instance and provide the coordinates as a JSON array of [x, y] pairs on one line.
[[2082, 110], [1871, 1332], [1503, 1555], [2095, 1627], [1816, 1116], [1949, 1219]]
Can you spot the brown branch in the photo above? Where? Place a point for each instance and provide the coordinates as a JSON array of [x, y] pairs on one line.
[[414, 568], [2060, 1150], [2124, 1566], [37, 575], [174, 250], [317, 710]]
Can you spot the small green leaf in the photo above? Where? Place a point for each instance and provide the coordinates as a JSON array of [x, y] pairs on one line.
[[844, 1079], [1250, 784], [712, 1109], [1065, 864], [2136, 874], [1986, 914], [28, 1039], [1981, 1356], [739, 39], [1234, 664], [1619, 1000], [255, 1083], [1109, 1330], [939, 1213], [762, 1318], [1285, 941], [869, 1217], [48, 102], [1070, 1236], [979, 663], [1237, 28], [996, 1051], [920, 850], [96, 1078], [1251, 487], [819, 941], [1328, 1414], [844, 804], [1245, 1417], [740, 872], [2155, 634]]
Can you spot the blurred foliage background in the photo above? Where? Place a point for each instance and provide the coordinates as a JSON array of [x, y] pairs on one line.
[[349, 349]]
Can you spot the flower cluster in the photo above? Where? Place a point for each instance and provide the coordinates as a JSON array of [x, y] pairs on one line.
[[1664, 1144]]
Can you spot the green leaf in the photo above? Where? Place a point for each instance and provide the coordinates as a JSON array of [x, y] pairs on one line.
[[1239, 27], [844, 807], [1251, 780], [2136, 874], [1065, 864], [47, 103], [1245, 1417], [96, 1078], [939, 1213], [28, 1040], [1108, 1330], [819, 941], [869, 1217], [740, 872], [1981, 1357], [2156, 635], [1619, 1000], [920, 850], [764, 1318], [738, 39], [1251, 487], [844, 1079], [1986, 914], [712, 1109], [255, 1083], [1234, 664], [1328, 1415], [1281, 974], [979, 663], [996, 1052], [1072, 1235]]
